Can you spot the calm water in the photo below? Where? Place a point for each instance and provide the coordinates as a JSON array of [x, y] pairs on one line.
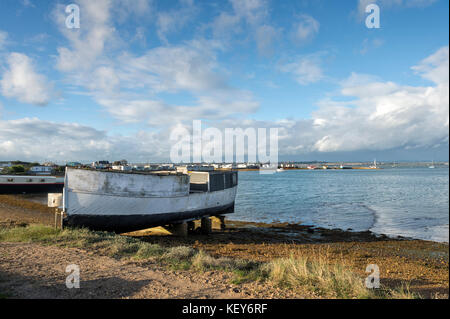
[[411, 202]]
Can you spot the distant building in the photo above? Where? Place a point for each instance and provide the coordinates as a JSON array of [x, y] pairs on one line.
[[41, 170], [122, 168], [101, 165], [73, 164], [121, 163], [202, 168], [151, 167], [5, 164], [166, 167], [49, 164]]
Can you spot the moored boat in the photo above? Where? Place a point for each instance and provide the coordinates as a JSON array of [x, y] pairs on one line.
[[20, 184], [124, 202]]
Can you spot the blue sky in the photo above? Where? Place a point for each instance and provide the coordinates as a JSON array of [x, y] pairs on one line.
[[116, 87]]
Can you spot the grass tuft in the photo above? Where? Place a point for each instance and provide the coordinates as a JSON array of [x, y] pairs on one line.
[[31, 233], [404, 292], [316, 276]]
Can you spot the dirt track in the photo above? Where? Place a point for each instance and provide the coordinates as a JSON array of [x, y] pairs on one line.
[[35, 271]]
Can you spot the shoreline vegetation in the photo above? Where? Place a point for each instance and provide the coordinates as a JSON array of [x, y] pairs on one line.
[[294, 260], [316, 276]]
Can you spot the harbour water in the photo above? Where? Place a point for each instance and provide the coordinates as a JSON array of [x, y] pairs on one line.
[[409, 202]]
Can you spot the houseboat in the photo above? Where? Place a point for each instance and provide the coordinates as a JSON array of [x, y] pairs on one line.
[[15, 184], [128, 201]]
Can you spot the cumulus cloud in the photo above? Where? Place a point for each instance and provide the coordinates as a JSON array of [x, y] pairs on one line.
[[34, 139], [368, 114], [22, 82], [385, 115], [127, 85]]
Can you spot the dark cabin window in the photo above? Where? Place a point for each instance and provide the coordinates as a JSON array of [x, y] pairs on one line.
[[216, 182], [10, 179]]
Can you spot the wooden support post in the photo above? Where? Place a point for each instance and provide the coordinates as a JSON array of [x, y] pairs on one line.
[[206, 225], [191, 226], [56, 217], [223, 226], [180, 230]]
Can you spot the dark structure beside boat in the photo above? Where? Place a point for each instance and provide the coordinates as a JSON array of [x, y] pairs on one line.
[[21, 184]]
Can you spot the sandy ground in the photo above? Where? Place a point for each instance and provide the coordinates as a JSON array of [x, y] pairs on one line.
[[36, 272], [422, 264]]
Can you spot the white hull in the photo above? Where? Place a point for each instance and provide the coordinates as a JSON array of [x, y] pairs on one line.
[[97, 204], [125, 202]]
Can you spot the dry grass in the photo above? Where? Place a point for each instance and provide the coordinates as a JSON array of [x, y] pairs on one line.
[[403, 292], [296, 272], [327, 281]]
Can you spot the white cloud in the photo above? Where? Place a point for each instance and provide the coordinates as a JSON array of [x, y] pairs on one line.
[[249, 18], [190, 67], [34, 139], [369, 114], [266, 35], [435, 67], [253, 11], [161, 114], [174, 20], [385, 115], [127, 85], [306, 69], [22, 82], [88, 43], [305, 28]]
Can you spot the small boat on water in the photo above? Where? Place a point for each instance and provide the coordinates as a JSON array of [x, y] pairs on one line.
[[129, 201], [20, 184]]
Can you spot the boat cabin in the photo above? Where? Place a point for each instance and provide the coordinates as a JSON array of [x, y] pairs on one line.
[[212, 181]]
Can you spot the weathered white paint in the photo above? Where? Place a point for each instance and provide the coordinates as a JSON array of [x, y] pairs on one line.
[[96, 204], [103, 193], [55, 200], [129, 185]]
